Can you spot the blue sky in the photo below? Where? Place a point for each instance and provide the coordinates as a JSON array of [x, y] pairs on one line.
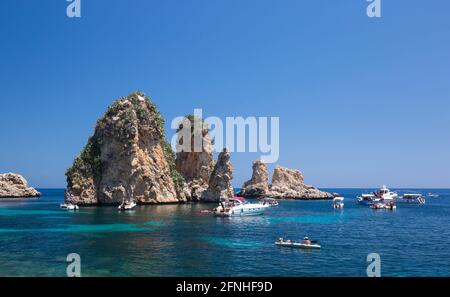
[[361, 101]]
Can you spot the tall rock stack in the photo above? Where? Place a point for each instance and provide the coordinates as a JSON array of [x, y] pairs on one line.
[[127, 158], [195, 161], [258, 185], [220, 186]]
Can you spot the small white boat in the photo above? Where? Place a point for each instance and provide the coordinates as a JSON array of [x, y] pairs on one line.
[[303, 244], [412, 198], [269, 201], [238, 207], [431, 195], [368, 199], [386, 194], [338, 202], [127, 205], [69, 206], [384, 205]]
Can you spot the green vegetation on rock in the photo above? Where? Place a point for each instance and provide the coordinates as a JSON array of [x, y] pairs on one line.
[[169, 155], [86, 165], [135, 107]]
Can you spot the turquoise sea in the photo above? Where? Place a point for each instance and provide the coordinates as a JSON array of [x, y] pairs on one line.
[[177, 240]]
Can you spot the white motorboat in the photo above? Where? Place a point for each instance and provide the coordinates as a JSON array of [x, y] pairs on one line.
[[368, 199], [69, 206], [338, 202], [386, 194], [383, 194], [127, 205], [411, 198], [384, 205], [431, 195], [235, 207], [303, 244]]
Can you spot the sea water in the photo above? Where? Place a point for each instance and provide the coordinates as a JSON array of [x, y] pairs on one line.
[[178, 240]]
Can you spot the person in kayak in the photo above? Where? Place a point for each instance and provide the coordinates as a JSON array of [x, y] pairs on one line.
[[306, 241]]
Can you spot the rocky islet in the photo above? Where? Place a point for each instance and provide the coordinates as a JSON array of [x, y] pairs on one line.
[[14, 185]]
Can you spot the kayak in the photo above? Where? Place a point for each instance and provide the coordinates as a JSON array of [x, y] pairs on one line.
[[298, 245]]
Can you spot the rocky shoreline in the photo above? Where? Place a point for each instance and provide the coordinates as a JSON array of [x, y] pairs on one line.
[[15, 186]]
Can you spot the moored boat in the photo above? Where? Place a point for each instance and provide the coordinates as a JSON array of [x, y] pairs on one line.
[[127, 205], [368, 199], [411, 198], [338, 202], [384, 205], [382, 195], [303, 244], [386, 194], [235, 207], [69, 206]]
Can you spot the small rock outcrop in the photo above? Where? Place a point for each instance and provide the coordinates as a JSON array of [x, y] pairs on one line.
[[290, 184], [127, 158], [15, 186], [286, 184], [219, 186], [195, 161], [258, 185]]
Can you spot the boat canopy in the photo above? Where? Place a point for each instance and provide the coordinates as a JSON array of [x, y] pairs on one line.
[[412, 195], [338, 199], [367, 195]]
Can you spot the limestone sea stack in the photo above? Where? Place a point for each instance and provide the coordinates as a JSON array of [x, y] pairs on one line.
[[127, 158], [258, 185], [290, 184], [195, 164], [286, 184], [15, 186], [220, 186]]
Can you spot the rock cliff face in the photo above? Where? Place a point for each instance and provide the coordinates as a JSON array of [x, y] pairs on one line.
[[286, 184], [258, 186], [290, 184], [219, 186], [15, 186], [196, 163], [127, 158]]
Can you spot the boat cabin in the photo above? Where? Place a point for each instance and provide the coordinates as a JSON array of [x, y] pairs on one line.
[[338, 202]]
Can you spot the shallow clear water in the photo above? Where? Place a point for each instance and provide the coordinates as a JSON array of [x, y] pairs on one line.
[[178, 240]]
